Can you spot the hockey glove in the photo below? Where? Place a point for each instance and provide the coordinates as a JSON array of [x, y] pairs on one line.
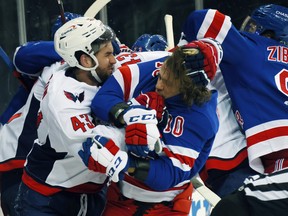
[[142, 133], [102, 155], [200, 61], [151, 100]]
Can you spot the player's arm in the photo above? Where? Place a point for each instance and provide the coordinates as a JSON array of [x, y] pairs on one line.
[[125, 83], [139, 120], [210, 23], [182, 158], [32, 57]]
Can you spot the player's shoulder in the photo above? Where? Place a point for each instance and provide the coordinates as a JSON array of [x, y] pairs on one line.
[[206, 114], [54, 68]]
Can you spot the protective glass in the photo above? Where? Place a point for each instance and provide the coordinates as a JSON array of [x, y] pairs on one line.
[[250, 25]]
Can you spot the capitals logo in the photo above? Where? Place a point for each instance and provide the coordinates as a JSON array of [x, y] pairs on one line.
[[74, 97]]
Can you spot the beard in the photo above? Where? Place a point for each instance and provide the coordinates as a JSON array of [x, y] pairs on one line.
[[104, 74]]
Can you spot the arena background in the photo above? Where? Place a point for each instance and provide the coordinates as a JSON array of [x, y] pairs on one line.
[[30, 20]]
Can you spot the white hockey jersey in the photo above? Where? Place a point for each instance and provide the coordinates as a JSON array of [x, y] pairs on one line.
[[53, 163], [19, 133]]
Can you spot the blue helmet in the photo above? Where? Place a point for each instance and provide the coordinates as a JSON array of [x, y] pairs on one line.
[[58, 23], [269, 17], [147, 42]]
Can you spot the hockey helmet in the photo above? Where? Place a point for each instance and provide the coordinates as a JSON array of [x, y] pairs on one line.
[[147, 42], [268, 17], [82, 34], [58, 23]]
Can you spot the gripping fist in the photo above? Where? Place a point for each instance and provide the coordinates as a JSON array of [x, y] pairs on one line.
[[201, 61], [151, 100], [142, 133], [102, 155]]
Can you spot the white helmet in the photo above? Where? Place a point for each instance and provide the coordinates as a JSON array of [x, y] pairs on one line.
[[78, 35]]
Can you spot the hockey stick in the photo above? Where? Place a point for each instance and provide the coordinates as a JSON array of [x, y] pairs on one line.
[[6, 59], [94, 9], [61, 9], [209, 195], [169, 31]]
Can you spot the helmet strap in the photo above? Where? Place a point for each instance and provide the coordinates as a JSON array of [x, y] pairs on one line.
[[93, 70], [95, 75]]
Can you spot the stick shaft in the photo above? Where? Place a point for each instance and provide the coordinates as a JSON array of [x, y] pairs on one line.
[[209, 195], [169, 30], [61, 11], [94, 9]]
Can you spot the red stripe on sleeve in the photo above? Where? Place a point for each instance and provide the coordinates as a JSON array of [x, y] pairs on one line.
[[126, 73], [216, 25], [267, 134], [183, 159]]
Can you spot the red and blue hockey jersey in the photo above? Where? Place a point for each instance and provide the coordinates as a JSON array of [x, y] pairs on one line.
[[255, 72], [188, 135]]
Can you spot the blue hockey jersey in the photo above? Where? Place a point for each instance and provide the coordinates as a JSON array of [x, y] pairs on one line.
[[188, 135], [255, 72]]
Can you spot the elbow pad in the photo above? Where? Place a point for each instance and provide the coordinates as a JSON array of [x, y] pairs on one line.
[[141, 168], [116, 114]]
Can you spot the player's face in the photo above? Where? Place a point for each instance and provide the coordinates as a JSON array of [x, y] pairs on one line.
[[106, 61], [166, 85]]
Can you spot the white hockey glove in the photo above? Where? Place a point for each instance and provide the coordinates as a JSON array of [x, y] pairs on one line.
[[103, 155]]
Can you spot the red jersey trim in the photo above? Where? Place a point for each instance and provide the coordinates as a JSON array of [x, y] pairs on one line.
[[12, 164], [48, 190], [226, 164]]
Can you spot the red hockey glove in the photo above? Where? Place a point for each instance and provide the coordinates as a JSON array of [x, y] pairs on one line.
[[151, 100], [201, 61], [142, 133], [102, 155]]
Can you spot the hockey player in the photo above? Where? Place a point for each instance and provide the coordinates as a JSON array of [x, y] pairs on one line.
[[161, 185], [53, 170], [251, 87], [147, 42], [227, 165], [243, 96], [29, 60], [28, 72], [20, 124], [144, 43], [262, 194]]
